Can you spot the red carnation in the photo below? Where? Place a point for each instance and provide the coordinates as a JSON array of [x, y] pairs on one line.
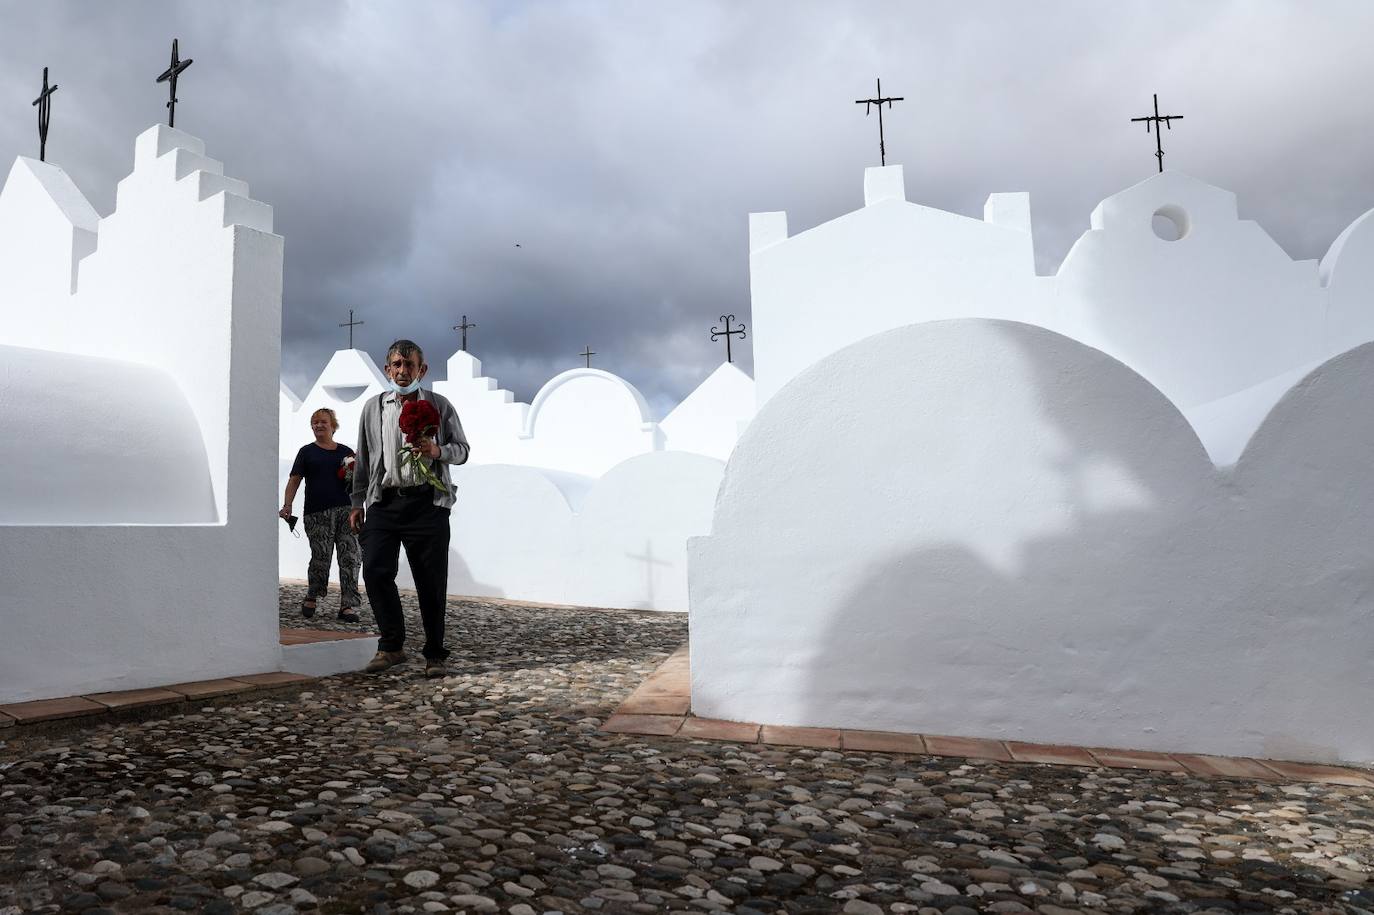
[[418, 417]]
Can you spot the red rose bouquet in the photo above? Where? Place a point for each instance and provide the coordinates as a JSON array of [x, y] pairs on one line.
[[346, 468], [419, 418]]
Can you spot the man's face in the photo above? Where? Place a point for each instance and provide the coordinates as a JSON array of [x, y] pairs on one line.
[[405, 369]]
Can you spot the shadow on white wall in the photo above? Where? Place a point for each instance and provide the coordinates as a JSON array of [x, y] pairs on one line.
[[135, 349], [1008, 534]]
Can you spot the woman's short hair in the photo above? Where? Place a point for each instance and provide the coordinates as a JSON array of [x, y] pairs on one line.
[[333, 418]]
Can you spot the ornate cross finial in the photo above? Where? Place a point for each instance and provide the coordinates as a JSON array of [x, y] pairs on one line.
[[1158, 119], [589, 353], [868, 104], [727, 334], [170, 76], [350, 324], [44, 103], [464, 328]]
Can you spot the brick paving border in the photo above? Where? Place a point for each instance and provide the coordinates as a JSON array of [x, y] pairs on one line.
[[48, 715], [661, 707]]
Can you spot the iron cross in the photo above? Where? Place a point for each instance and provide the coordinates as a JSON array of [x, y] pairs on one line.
[[350, 324], [589, 353], [170, 76], [727, 334], [868, 104], [44, 103], [464, 328], [1158, 119]]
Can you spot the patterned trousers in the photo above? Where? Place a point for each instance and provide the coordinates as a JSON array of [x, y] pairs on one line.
[[329, 532]]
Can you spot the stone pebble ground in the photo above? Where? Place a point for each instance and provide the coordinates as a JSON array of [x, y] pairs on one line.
[[493, 791]]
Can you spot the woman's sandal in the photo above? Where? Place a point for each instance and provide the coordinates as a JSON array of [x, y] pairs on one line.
[[307, 608]]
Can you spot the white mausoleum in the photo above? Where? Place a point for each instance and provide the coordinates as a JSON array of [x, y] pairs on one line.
[[140, 355], [1127, 505]]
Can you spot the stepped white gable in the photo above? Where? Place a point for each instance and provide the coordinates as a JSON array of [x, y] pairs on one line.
[[153, 334]]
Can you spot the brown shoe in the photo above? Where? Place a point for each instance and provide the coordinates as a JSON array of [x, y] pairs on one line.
[[384, 659], [436, 668]]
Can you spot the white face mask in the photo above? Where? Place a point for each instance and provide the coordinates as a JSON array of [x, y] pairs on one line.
[[408, 389]]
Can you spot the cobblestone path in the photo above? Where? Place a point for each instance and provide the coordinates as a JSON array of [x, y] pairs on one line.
[[492, 790]]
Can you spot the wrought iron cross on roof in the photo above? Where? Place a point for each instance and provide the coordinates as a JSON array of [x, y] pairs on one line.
[[1158, 119], [868, 104], [464, 328], [727, 334], [169, 76], [44, 103], [589, 353], [350, 324]]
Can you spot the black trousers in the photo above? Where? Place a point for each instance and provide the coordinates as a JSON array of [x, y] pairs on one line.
[[407, 518]]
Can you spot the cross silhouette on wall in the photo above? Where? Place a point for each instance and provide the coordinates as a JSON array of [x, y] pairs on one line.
[[647, 557]]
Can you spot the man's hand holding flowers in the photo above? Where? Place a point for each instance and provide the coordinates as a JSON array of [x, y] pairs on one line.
[[427, 447], [419, 422]]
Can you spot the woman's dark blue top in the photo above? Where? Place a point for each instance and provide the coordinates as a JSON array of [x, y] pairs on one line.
[[320, 468]]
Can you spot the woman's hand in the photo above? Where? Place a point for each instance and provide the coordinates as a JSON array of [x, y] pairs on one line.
[[285, 512]]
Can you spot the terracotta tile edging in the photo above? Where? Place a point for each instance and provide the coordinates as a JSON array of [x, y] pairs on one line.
[[39, 710], [635, 717], [46, 715]]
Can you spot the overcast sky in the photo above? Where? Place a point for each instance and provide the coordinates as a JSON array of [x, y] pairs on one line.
[[409, 148]]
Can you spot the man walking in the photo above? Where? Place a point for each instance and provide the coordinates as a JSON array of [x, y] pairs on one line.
[[393, 507]]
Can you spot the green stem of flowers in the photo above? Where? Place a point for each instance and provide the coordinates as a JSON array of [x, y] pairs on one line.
[[409, 456]]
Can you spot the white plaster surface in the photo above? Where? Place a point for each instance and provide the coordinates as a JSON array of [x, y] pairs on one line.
[[511, 534], [1217, 311], [883, 266], [162, 322], [92, 458], [490, 414], [631, 534], [620, 541], [324, 659], [709, 420], [1038, 547], [1210, 318], [46, 227], [586, 421]]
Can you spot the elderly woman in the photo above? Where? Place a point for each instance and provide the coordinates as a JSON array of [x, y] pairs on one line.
[[327, 501]]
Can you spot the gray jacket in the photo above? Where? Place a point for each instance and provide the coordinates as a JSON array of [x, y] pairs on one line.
[[367, 476]]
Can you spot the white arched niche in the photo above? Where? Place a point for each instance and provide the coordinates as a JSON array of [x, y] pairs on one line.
[[585, 421]]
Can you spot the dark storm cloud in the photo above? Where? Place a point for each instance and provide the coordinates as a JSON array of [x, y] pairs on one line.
[[408, 148]]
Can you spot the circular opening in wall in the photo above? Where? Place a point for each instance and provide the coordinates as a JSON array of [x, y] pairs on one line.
[[1170, 223]]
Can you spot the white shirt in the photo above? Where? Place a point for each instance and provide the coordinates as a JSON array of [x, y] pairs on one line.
[[392, 440]]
